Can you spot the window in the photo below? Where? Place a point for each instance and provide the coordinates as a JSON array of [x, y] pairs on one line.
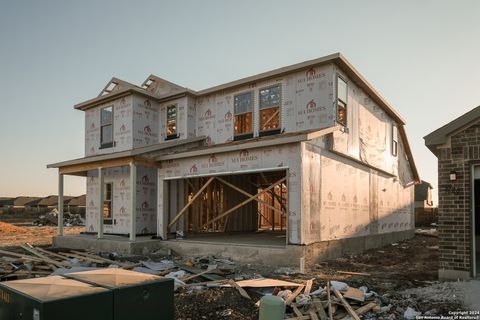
[[107, 203], [106, 127], [394, 140], [243, 110], [341, 101], [270, 99], [172, 121]]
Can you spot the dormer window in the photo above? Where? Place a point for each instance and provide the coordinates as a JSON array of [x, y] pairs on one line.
[[269, 105], [341, 101], [243, 109], [106, 127], [172, 122]]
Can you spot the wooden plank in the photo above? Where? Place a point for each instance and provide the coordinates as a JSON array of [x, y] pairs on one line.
[[50, 262], [308, 287], [22, 256], [354, 273], [191, 201], [297, 312], [244, 202], [330, 311], [347, 306], [313, 315], [240, 289], [363, 309], [354, 294], [294, 295], [212, 277], [96, 257], [185, 279], [320, 310], [53, 254], [80, 257]]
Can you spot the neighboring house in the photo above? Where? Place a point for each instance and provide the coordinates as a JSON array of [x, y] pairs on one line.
[[324, 156], [26, 202], [425, 212], [77, 202], [51, 202], [6, 202], [457, 148], [423, 195]]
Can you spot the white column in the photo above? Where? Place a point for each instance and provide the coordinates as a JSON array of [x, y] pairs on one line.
[[101, 192], [133, 204], [60, 204]]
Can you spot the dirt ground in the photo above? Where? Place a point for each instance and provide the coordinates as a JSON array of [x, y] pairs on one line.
[[25, 232]]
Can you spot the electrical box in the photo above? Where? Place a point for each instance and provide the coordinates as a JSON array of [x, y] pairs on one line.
[[54, 298], [136, 295]]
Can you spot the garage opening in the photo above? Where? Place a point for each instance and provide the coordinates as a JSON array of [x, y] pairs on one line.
[[242, 208]]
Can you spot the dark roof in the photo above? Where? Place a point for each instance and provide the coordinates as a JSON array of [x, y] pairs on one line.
[[6, 201], [421, 190], [26, 201], [439, 136], [52, 200], [79, 201]]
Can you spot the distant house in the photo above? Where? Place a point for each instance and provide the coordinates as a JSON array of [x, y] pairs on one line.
[[26, 202], [76, 202], [423, 195], [6, 202], [51, 201]]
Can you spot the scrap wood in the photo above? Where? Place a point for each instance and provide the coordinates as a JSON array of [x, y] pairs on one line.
[[53, 254], [363, 309], [296, 311], [219, 282], [185, 279], [308, 287], [347, 306], [354, 294], [80, 257], [292, 297], [240, 289], [267, 283], [211, 277], [330, 311], [97, 257], [53, 263], [355, 273], [22, 256], [320, 310], [313, 315]]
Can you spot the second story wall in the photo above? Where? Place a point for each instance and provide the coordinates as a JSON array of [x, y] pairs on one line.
[[145, 121], [120, 133], [306, 102]]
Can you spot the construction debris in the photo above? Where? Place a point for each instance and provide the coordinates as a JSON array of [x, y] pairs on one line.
[[51, 219]]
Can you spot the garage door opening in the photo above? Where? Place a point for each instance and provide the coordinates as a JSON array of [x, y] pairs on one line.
[[242, 208]]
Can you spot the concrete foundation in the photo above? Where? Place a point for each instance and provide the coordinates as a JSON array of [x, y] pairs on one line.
[[444, 274], [239, 248]]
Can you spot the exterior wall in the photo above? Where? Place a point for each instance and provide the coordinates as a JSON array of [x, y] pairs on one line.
[[146, 189], [122, 127], [182, 118], [145, 122], [369, 136], [146, 200], [342, 198], [121, 202], [454, 208], [307, 103], [238, 161]]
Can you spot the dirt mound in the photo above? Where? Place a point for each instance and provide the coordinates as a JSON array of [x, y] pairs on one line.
[[7, 228]]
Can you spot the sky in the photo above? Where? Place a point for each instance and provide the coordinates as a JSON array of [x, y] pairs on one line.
[[422, 56]]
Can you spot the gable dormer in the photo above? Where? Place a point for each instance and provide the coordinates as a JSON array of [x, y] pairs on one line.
[[161, 87]]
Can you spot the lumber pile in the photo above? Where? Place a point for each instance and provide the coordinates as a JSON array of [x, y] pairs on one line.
[[33, 261]]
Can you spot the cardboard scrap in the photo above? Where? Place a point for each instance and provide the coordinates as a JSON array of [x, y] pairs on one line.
[[354, 294]]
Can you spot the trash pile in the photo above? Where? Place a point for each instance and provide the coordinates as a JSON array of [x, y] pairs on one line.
[[51, 219]]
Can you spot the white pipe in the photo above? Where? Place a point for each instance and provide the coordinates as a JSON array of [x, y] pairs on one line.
[[60, 204]]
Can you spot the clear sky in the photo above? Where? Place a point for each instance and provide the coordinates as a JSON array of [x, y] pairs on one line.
[[422, 56]]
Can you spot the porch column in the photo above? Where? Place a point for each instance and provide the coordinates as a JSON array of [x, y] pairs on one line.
[[60, 204], [101, 191], [133, 205]]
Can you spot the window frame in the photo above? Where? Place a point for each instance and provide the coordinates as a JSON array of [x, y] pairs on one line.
[[174, 135], [394, 140], [275, 130], [340, 103], [109, 202], [106, 144], [244, 135]]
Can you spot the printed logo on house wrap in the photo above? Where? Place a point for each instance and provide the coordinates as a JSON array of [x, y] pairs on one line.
[[244, 156], [311, 74], [147, 103], [208, 115], [194, 169], [213, 162]]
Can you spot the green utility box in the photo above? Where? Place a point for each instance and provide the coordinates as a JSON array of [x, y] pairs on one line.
[[136, 295], [54, 298]]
